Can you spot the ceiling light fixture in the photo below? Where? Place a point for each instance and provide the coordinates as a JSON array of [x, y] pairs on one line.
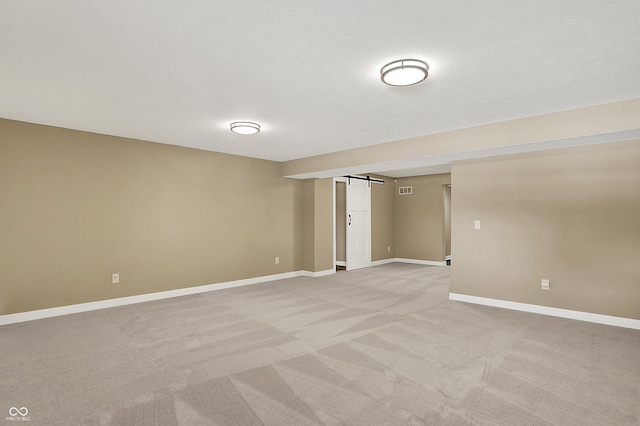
[[245, 127], [404, 72]]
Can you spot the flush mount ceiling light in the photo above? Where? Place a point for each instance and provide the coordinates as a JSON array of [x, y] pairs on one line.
[[245, 127], [404, 72]]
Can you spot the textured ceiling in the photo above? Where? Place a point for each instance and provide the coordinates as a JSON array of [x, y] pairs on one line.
[[178, 72]]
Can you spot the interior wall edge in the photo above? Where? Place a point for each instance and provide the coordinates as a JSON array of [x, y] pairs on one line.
[[610, 118]]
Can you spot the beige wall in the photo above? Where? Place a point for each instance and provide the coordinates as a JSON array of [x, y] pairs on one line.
[[419, 218], [317, 225], [77, 207], [382, 219], [341, 222], [323, 225], [306, 238], [571, 216]]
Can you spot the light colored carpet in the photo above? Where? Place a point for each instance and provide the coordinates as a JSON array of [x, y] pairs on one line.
[[379, 346]]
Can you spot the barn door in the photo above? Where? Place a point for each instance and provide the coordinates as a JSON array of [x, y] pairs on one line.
[[358, 223]]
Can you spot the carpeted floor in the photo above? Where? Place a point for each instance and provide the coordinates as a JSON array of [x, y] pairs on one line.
[[379, 346]]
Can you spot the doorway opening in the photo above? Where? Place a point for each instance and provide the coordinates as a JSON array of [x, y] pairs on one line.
[[446, 191], [340, 224]]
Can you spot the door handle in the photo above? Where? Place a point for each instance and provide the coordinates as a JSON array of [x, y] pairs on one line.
[[349, 220]]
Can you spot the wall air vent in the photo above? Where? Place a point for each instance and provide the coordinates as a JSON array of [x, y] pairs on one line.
[[405, 190]]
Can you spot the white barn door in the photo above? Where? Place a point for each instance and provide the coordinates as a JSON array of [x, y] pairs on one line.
[[358, 223]]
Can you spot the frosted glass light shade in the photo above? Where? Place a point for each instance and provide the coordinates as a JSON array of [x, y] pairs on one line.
[[245, 127], [404, 72]]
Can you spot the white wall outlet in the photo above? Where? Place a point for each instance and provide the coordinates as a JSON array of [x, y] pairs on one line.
[[476, 224], [115, 278], [277, 260], [389, 248], [544, 284]]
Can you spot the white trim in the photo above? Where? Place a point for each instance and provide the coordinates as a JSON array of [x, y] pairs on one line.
[[382, 262], [403, 260], [316, 274], [336, 179], [121, 301], [341, 263], [335, 213], [420, 262], [546, 310]]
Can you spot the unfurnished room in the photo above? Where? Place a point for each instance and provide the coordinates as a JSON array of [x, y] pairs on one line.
[[320, 213]]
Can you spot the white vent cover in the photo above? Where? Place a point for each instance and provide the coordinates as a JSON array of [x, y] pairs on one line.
[[405, 190]]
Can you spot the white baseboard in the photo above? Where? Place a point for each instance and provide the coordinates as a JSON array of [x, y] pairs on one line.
[[316, 274], [341, 263], [403, 260], [382, 262], [420, 262], [121, 301], [545, 310]]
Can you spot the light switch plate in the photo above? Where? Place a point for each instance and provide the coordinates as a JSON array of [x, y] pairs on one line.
[[476, 224], [544, 284]]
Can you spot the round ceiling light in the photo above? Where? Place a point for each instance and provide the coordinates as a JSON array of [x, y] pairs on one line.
[[245, 127], [404, 72]]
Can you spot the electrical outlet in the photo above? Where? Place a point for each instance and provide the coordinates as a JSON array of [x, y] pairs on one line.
[[544, 284], [277, 260], [476, 224], [389, 248], [115, 278]]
